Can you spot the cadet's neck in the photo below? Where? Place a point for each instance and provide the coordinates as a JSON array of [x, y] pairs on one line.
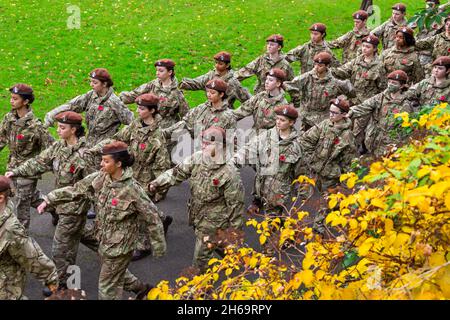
[[2, 206], [275, 92], [167, 82], [275, 56], [103, 92], [71, 141], [217, 104], [21, 112], [117, 175], [285, 133], [149, 120], [447, 34], [369, 58], [222, 73]]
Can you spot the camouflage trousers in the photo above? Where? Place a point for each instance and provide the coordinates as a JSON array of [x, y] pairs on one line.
[[115, 277], [26, 196]]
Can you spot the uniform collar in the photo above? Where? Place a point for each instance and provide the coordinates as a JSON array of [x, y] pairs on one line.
[[127, 174], [274, 99], [444, 84], [105, 97], [223, 108], [173, 86], [281, 57]]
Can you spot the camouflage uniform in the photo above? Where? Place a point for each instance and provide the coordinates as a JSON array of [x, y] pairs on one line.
[[217, 199], [261, 66], [387, 32], [305, 54], [427, 92], [439, 45], [20, 254], [234, 92], [25, 138], [120, 206], [312, 95], [69, 165], [382, 108], [403, 59], [104, 115], [350, 43], [261, 106], [329, 149]]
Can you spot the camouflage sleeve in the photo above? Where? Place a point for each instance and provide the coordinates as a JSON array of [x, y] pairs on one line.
[[295, 89], [128, 97], [46, 139], [382, 79], [81, 190], [3, 134], [77, 104], [289, 73], [28, 254], [159, 156], [309, 140], [150, 214], [378, 31], [245, 109], [365, 108], [37, 165], [198, 83], [184, 106], [427, 43], [349, 153], [346, 88], [247, 154], [242, 93], [123, 135], [234, 199], [418, 74], [344, 71], [247, 71], [176, 175], [340, 42], [295, 54], [124, 114]]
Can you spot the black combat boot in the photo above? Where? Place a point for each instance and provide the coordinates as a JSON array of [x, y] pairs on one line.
[[166, 223], [140, 254], [143, 291]]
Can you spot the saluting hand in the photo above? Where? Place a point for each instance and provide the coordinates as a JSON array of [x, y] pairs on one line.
[[9, 174], [41, 208]]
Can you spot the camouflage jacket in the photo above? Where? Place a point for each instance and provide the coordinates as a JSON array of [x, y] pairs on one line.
[[305, 54], [403, 59], [382, 108], [275, 161], [261, 107], [147, 145], [312, 95], [368, 79], [427, 92], [386, 32], [202, 117], [172, 105], [69, 165], [120, 206], [350, 43], [20, 254], [261, 66], [25, 137], [329, 148], [439, 44], [104, 115], [234, 92], [217, 191]]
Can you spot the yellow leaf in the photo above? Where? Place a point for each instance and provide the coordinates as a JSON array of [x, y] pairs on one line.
[[377, 202], [447, 201], [307, 277], [437, 259], [423, 172], [332, 203], [388, 225], [353, 224], [365, 247], [351, 182], [262, 239], [228, 271]]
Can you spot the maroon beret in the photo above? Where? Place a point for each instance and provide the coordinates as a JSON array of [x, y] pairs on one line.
[[442, 61], [287, 111], [399, 75], [217, 84], [5, 184], [399, 7], [360, 15], [21, 88], [372, 39], [342, 104], [406, 30], [320, 27], [323, 57], [69, 117], [101, 74], [147, 100], [214, 133], [114, 147], [223, 56], [166, 63], [277, 73], [278, 38]]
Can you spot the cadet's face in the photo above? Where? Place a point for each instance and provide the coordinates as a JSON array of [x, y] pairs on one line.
[[316, 36], [143, 112], [208, 147], [97, 85], [440, 72], [394, 82], [108, 164], [359, 24], [447, 26], [336, 114], [320, 67], [271, 83], [65, 131], [213, 95], [283, 122], [397, 16], [17, 101], [399, 39], [221, 66], [272, 47], [367, 49], [162, 73]]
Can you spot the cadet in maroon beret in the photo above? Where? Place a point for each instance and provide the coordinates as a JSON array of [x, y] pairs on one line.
[[287, 111], [386, 31]]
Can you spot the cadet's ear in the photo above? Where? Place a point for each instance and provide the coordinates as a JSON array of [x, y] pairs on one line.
[[221, 94], [3, 197]]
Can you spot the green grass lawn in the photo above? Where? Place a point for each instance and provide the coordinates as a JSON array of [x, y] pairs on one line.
[[126, 37]]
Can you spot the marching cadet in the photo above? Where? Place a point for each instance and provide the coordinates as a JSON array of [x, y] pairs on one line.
[[19, 253], [261, 106], [438, 44], [305, 53], [217, 192], [351, 41], [312, 91], [387, 31], [382, 108], [104, 110], [368, 79], [121, 205], [436, 88], [214, 112], [329, 147], [151, 158], [403, 56], [273, 58], [26, 137], [67, 159], [222, 71]]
